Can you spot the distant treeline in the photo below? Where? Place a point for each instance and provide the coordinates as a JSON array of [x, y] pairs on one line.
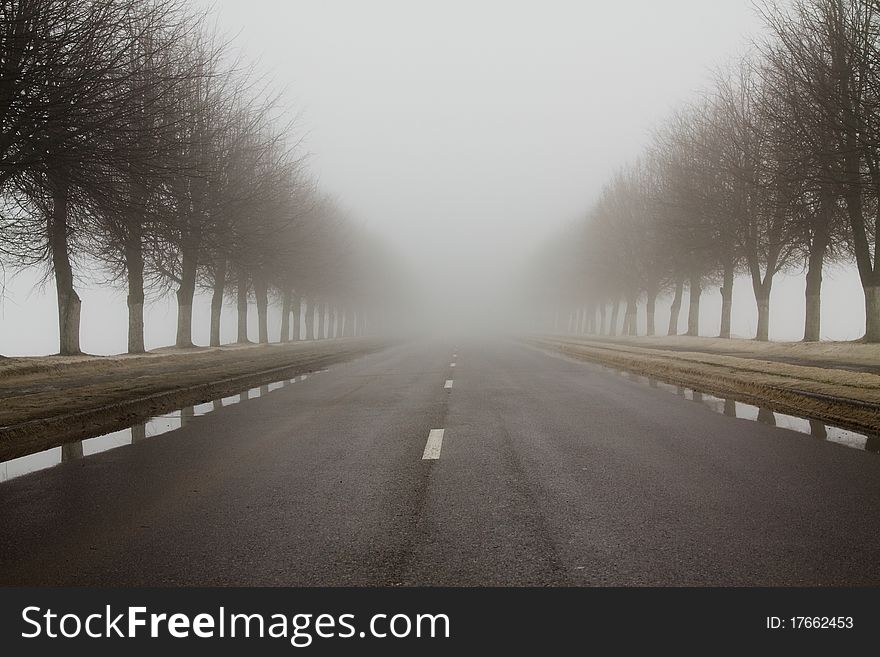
[[775, 169], [133, 142]]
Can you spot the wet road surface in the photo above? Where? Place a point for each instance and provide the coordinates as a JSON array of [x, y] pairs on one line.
[[546, 472]]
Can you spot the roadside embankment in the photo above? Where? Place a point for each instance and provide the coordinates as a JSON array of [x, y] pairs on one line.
[[837, 383], [48, 401]]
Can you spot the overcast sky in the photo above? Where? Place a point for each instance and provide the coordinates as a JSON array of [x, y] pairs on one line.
[[466, 133]]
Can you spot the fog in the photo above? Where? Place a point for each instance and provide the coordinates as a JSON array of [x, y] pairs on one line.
[[465, 135], [466, 132]]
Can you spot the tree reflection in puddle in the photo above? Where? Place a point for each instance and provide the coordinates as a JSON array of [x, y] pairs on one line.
[[154, 426]]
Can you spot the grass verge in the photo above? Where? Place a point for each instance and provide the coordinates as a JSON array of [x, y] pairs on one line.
[[50, 401], [841, 397]]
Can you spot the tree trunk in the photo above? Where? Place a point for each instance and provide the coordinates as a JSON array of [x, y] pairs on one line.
[[859, 233], [217, 291], [242, 303], [591, 319], [675, 309], [650, 312], [726, 301], [631, 320], [296, 307], [285, 317], [763, 332], [346, 322], [872, 313], [322, 308], [694, 292], [615, 311], [68, 300], [310, 320], [815, 263], [134, 266], [262, 293], [603, 311], [813, 295], [762, 300], [185, 295]]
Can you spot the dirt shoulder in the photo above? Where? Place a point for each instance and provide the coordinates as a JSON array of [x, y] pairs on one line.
[[51, 400], [750, 372], [854, 356]]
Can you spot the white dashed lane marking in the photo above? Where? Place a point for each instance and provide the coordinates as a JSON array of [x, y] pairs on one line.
[[432, 447], [448, 384]]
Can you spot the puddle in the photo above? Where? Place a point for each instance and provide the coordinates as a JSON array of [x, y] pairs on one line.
[[155, 426], [731, 408]]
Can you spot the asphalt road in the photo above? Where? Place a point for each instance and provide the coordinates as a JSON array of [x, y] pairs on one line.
[[550, 472]]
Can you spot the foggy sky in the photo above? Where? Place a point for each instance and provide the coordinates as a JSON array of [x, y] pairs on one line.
[[465, 134], [466, 131]]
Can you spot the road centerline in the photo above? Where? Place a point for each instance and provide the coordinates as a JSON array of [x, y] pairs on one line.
[[432, 447]]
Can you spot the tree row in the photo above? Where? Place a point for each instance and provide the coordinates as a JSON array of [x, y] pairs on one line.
[[136, 147], [775, 169]]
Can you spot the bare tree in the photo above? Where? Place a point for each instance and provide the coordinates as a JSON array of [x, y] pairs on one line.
[[802, 70], [765, 196], [72, 80], [146, 145]]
